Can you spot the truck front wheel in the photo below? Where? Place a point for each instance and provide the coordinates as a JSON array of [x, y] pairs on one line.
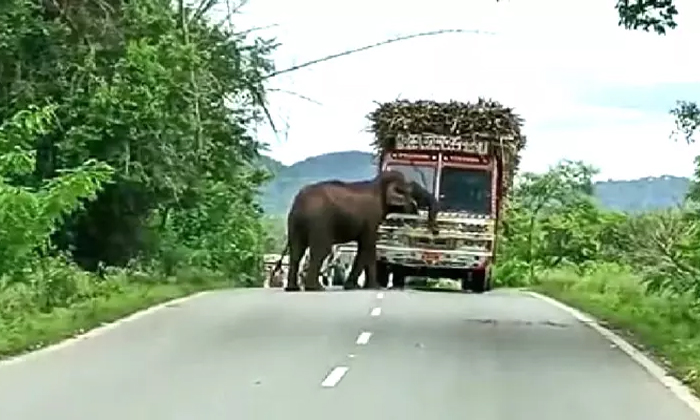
[[398, 279], [480, 281], [338, 275]]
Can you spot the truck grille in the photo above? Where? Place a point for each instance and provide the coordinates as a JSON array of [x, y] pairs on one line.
[[446, 225], [449, 243], [432, 243]]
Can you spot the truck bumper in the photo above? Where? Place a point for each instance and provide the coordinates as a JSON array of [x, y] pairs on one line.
[[420, 258], [433, 259]]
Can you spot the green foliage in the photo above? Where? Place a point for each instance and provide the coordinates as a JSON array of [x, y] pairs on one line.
[[687, 116], [660, 16], [647, 15], [30, 214], [218, 233], [275, 234], [125, 151], [544, 222], [551, 223]]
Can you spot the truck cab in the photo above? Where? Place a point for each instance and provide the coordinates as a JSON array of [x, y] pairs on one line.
[[465, 155], [465, 179]]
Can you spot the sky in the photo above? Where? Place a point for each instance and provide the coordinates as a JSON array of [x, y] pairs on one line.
[[587, 89]]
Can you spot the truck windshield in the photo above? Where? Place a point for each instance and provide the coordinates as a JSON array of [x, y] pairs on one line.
[[423, 175], [465, 190]]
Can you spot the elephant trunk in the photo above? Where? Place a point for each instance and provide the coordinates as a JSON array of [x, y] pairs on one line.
[[432, 215], [423, 198]]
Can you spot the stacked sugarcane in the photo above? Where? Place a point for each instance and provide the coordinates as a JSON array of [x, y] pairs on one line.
[[486, 120]]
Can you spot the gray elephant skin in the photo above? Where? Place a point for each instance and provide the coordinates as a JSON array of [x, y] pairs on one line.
[[420, 198], [334, 212]]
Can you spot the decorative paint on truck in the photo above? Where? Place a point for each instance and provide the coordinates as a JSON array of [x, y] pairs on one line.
[[465, 155], [465, 182]]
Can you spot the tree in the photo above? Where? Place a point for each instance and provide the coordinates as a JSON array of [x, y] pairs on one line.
[[647, 15], [552, 221], [29, 215], [659, 16], [544, 219], [163, 97]]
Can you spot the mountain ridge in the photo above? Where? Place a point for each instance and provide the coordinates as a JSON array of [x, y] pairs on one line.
[[633, 195]]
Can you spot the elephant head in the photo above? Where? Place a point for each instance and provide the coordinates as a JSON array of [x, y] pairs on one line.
[[396, 190], [420, 197]]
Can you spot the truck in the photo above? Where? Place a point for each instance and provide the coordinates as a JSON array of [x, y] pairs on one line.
[[466, 155]]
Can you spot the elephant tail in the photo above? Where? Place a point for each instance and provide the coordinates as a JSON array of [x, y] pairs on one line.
[[278, 264]]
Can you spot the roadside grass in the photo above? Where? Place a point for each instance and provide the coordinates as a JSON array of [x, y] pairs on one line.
[[26, 328], [666, 327]]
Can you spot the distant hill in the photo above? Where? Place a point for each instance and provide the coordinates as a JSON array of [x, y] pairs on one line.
[[642, 194], [633, 195], [346, 166]]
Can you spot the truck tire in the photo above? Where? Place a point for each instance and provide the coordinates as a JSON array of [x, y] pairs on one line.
[[465, 284], [383, 274], [423, 282], [338, 276], [480, 281], [398, 279]]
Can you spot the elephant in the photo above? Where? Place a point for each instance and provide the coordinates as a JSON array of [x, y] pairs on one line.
[[323, 270], [420, 198], [334, 212], [277, 273]]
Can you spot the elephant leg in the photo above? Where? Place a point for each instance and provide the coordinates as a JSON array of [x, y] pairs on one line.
[[296, 251], [367, 284], [369, 245], [371, 270], [351, 280], [366, 254], [317, 255], [366, 273]]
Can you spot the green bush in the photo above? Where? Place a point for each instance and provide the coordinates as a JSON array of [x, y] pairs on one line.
[[125, 152]]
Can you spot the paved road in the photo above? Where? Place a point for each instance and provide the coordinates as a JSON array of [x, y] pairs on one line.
[[266, 354]]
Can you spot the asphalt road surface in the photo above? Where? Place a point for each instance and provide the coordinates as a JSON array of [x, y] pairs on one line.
[[267, 354]]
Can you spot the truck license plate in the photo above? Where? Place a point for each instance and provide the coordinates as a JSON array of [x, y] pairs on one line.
[[431, 257]]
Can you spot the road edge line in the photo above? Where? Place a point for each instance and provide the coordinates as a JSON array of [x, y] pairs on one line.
[[677, 388], [100, 330]]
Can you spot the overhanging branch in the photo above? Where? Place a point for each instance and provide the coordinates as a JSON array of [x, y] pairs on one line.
[[368, 47]]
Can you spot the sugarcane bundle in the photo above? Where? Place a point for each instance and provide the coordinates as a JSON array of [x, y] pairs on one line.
[[485, 120]]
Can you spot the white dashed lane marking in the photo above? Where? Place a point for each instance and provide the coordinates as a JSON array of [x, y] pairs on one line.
[[363, 338], [335, 376]]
